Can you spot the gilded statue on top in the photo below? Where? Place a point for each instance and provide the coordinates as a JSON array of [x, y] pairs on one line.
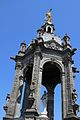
[[49, 17]]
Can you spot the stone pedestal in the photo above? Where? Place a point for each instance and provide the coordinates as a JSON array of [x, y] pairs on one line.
[[42, 118], [30, 114], [72, 118], [6, 118]]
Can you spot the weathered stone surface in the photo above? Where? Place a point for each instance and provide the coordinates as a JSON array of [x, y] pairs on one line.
[[45, 62]]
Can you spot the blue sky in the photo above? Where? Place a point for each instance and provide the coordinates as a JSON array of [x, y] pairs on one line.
[[19, 20]]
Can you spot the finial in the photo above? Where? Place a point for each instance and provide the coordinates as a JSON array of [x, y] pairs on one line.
[[49, 16], [66, 39], [22, 48]]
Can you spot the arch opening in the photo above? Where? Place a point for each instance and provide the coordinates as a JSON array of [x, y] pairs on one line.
[[51, 77], [49, 30], [28, 75], [57, 103], [26, 90]]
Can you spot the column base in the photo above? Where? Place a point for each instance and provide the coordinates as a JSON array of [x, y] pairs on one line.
[[28, 117], [30, 113], [72, 118], [4, 118], [13, 118], [41, 118]]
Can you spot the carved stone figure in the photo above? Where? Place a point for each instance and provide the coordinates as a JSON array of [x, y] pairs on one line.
[[75, 108], [74, 96], [44, 100], [32, 88], [49, 17], [7, 102]]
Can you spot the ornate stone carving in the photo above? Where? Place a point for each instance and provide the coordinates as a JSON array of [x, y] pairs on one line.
[[52, 45], [7, 102], [74, 96]]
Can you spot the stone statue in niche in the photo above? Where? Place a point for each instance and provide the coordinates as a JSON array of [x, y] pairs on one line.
[[44, 101], [32, 89]]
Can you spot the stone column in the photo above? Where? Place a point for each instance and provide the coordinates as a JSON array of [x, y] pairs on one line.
[[25, 98], [13, 97], [50, 104], [64, 97], [39, 88], [35, 78], [69, 88], [18, 102]]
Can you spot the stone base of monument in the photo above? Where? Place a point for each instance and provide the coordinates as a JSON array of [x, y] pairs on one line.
[[72, 118], [43, 116], [31, 114]]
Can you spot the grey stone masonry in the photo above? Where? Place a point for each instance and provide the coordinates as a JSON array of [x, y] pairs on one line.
[[13, 97], [46, 61]]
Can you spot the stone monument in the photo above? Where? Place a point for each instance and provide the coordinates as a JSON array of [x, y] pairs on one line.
[[46, 61]]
